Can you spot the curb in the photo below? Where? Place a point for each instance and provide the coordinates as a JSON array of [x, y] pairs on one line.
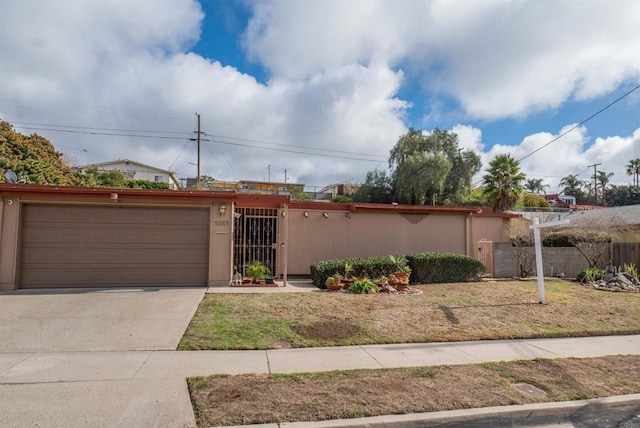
[[516, 415]]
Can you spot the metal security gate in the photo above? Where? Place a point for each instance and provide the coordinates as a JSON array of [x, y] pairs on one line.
[[255, 238]]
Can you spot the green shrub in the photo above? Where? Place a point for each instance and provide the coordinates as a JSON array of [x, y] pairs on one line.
[[590, 275], [363, 286], [557, 239], [369, 267], [630, 269], [429, 268], [257, 271], [426, 268]]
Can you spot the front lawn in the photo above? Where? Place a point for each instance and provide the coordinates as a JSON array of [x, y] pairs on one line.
[[259, 399], [443, 313]]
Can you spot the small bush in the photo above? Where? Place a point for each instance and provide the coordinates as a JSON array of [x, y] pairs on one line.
[[590, 275], [369, 267], [630, 269], [429, 268], [363, 286]]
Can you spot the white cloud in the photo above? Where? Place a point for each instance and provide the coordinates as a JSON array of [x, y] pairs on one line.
[[498, 58], [337, 68], [469, 137]]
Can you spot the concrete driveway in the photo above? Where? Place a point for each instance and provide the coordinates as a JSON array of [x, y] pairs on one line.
[[41, 330], [122, 319]]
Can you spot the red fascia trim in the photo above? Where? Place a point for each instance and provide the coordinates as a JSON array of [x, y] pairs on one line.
[[248, 200], [320, 206], [130, 193], [412, 208]]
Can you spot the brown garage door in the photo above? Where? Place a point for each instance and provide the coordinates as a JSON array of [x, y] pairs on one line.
[[95, 246]]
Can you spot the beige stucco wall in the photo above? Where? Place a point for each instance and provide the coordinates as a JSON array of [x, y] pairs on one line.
[[344, 234], [220, 244], [9, 235]]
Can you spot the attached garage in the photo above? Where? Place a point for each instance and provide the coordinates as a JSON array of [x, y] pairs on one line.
[[102, 245]]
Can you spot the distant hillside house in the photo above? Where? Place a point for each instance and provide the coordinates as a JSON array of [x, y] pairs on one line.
[[340, 189], [247, 186], [135, 171]]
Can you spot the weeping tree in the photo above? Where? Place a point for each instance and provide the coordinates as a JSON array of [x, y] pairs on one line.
[[592, 236], [430, 167], [420, 178]]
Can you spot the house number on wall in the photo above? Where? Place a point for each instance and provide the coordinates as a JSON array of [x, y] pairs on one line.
[[221, 223]]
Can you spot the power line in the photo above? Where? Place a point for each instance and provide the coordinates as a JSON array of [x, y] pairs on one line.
[[294, 151], [99, 129], [86, 132], [103, 133], [293, 145], [581, 123]]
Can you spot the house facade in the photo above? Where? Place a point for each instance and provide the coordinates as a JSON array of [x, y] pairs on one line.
[[95, 237], [133, 170]]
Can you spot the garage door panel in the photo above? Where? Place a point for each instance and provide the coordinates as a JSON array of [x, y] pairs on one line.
[[178, 275], [116, 255], [70, 233], [100, 246]]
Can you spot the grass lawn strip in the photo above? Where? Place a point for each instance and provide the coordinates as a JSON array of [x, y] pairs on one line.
[[442, 313], [256, 399]]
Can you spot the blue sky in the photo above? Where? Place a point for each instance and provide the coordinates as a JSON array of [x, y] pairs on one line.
[[324, 89]]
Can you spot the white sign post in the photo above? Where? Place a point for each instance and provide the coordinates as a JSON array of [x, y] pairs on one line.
[[536, 226]]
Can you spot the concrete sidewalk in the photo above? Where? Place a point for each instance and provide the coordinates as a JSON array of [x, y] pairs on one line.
[[148, 388], [21, 368]]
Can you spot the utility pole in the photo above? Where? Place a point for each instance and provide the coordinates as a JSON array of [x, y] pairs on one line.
[[198, 177], [285, 176], [269, 173], [595, 182]]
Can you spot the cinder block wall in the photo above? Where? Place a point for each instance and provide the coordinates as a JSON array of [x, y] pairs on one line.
[[567, 260]]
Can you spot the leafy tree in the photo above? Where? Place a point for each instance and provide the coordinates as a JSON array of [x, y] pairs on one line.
[[457, 186], [633, 168], [475, 198], [622, 195], [376, 188], [535, 185], [532, 200], [298, 194], [33, 158], [148, 184], [341, 198], [420, 178], [426, 166], [572, 186], [114, 179], [503, 182]]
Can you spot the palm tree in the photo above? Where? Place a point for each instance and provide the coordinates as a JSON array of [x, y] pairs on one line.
[[534, 185], [572, 186], [602, 179], [503, 181], [633, 168]]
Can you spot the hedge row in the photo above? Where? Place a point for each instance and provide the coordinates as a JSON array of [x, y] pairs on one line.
[[431, 268], [426, 268]]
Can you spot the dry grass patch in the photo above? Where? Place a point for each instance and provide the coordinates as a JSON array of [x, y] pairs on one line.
[[443, 313], [255, 399]]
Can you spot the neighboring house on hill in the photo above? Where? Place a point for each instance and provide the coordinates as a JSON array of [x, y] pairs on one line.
[[340, 189], [135, 171], [247, 186]]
